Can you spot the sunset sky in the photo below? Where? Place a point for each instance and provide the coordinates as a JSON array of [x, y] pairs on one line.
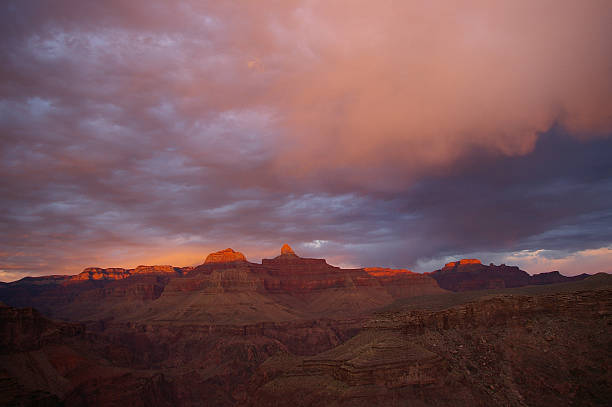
[[371, 133]]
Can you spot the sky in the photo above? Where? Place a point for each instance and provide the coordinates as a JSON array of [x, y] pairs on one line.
[[387, 133]]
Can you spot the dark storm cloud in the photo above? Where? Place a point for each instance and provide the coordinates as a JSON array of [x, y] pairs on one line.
[[556, 198], [143, 132]]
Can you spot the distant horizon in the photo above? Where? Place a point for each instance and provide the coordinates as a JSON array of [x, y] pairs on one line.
[[259, 261]]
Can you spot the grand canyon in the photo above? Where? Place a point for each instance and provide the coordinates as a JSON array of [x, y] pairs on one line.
[[305, 203], [298, 331]]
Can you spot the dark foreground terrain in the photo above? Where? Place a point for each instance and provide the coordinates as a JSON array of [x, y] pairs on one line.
[[298, 332]]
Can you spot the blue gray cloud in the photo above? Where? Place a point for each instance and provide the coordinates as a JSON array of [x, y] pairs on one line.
[[136, 133]]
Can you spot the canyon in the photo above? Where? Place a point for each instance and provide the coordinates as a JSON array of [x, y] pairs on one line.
[[298, 331]]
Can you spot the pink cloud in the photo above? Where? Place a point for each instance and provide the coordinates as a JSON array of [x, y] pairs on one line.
[[122, 121]]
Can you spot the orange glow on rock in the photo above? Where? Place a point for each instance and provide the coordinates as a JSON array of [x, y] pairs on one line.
[[386, 272]]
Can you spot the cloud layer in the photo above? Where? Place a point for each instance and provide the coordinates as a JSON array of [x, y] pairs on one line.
[[387, 134]]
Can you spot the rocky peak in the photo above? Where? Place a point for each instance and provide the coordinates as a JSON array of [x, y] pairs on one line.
[[225, 256], [287, 250]]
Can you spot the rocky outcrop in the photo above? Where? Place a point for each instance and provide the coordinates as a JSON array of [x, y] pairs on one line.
[[289, 273], [225, 256], [509, 350], [286, 249], [117, 273], [461, 262], [97, 273], [156, 270], [386, 272], [389, 361], [471, 274]]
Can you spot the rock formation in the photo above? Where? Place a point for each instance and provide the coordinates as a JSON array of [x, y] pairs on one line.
[[117, 273], [504, 350], [461, 262], [225, 288], [298, 331], [225, 256], [97, 273], [287, 250], [384, 272], [156, 269], [471, 274], [229, 288]]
